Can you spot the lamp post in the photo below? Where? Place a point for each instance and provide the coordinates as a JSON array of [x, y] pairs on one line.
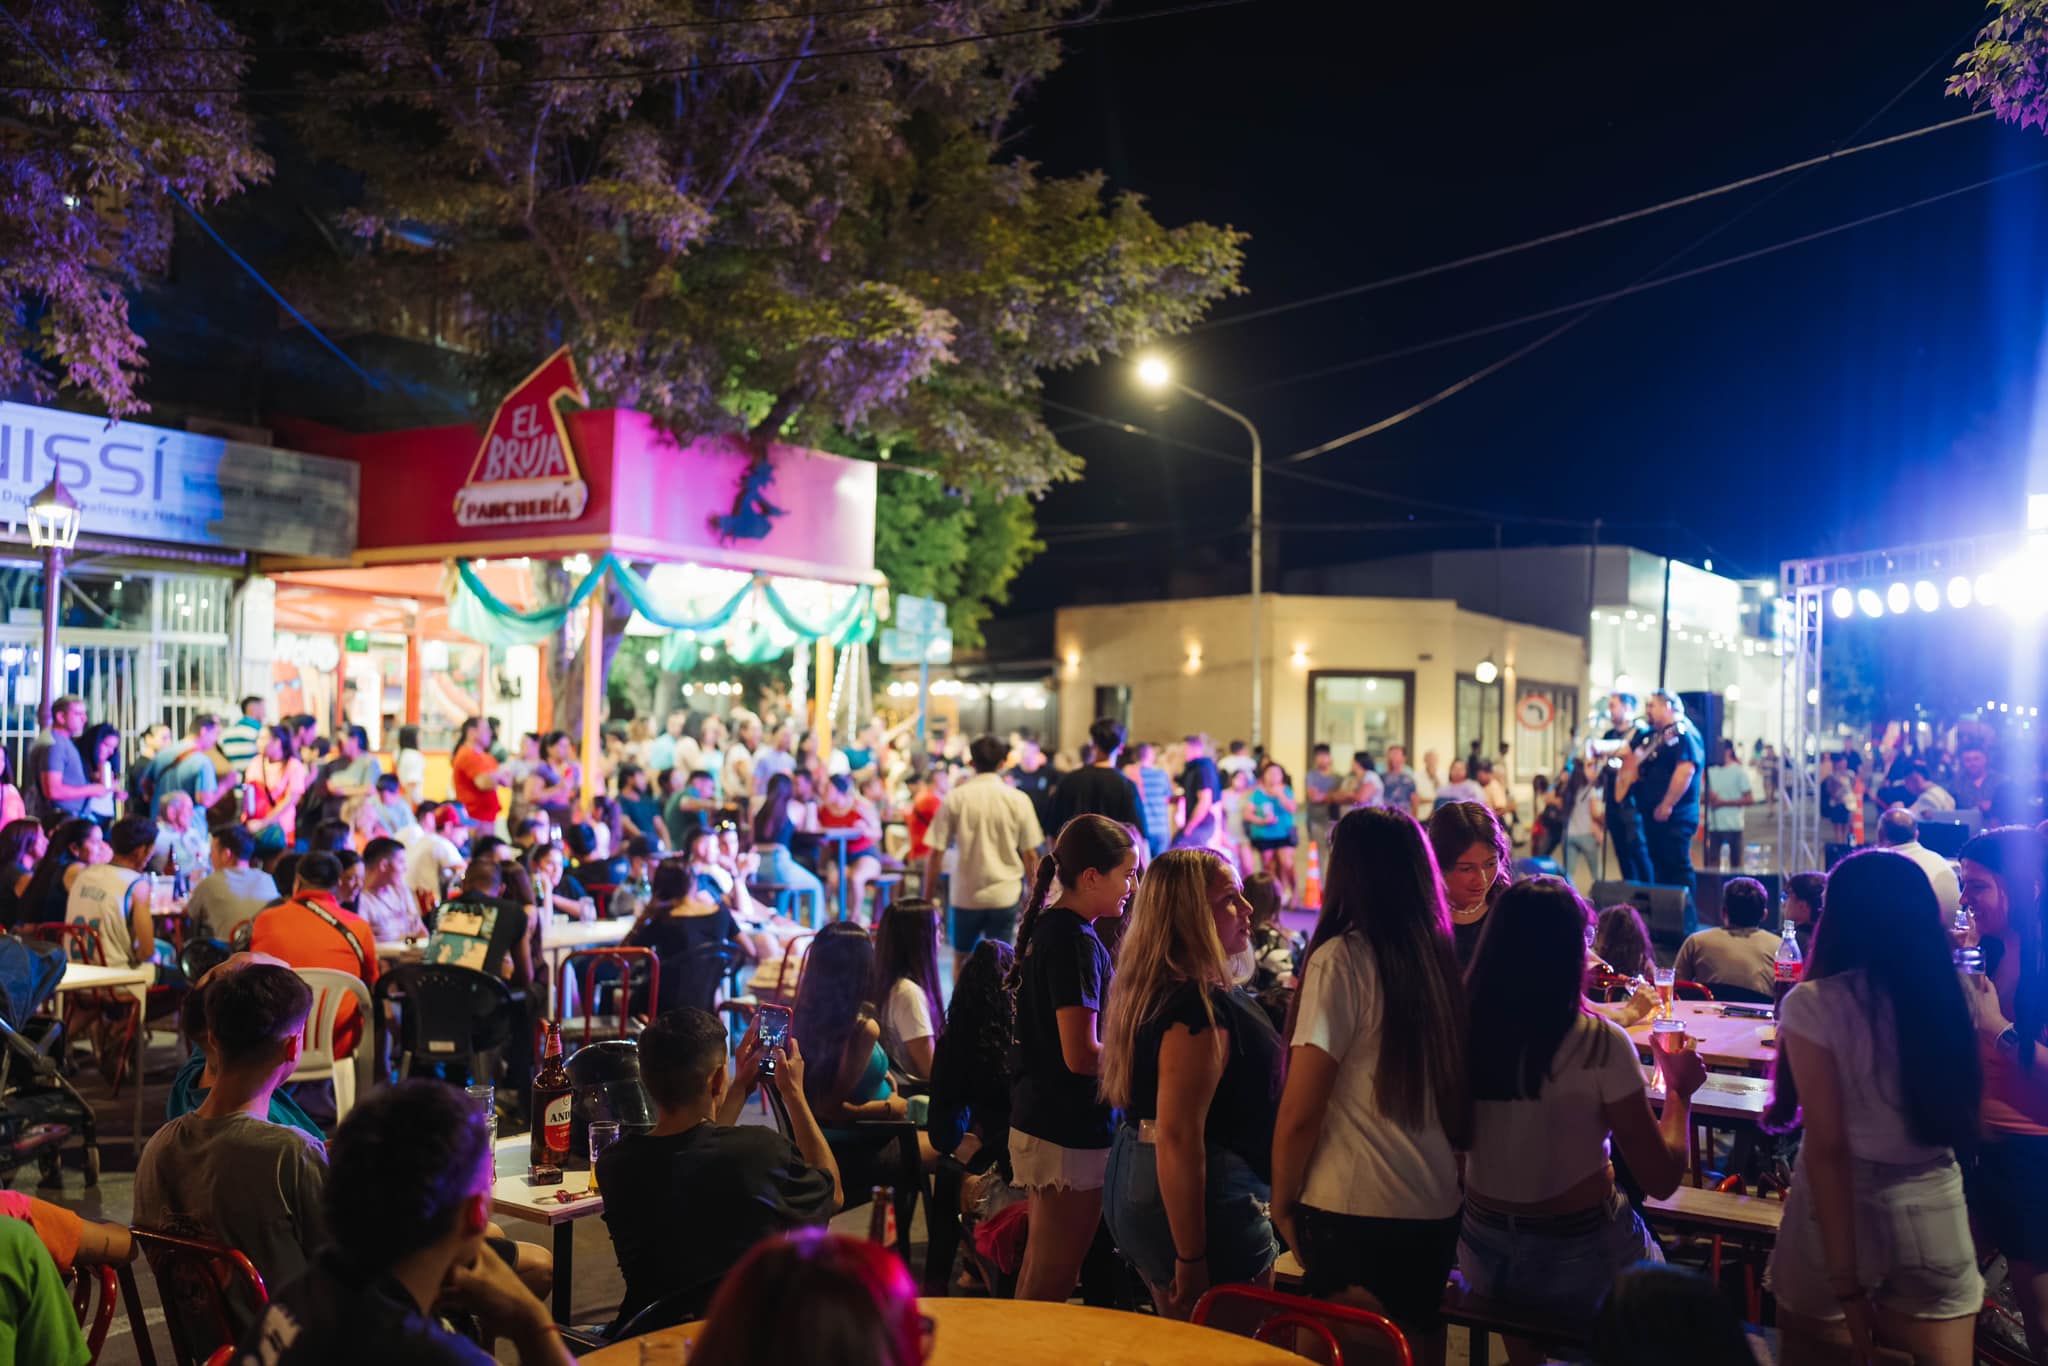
[[1155, 374], [52, 529]]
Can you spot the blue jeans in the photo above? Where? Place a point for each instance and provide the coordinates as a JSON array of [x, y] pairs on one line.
[[1583, 849], [1670, 846], [1240, 1229], [778, 866], [1625, 828], [1566, 1274]]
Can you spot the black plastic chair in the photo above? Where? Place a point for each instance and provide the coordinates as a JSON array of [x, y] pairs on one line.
[[447, 1016], [707, 967], [606, 1075], [201, 956]]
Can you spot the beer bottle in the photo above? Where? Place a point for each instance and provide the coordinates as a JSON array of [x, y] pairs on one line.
[[552, 1095], [882, 1216]]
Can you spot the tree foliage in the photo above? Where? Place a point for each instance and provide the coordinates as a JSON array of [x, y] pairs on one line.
[[738, 227], [2007, 68], [91, 177], [960, 547]]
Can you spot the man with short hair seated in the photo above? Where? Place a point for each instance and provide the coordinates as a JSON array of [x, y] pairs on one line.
[[1737, 960], [233, 893], [225, 1173], [730, 1185], [409, 1204], [312, 931], [386, 901]]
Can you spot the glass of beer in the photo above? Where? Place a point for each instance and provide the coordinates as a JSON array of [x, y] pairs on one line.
[[1666, 980], [603, 1133], [1667, 1031]]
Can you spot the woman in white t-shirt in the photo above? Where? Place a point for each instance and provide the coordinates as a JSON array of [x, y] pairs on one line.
[[906, 990], [1877, 1049], [1365, 1187], [1545, 1227]]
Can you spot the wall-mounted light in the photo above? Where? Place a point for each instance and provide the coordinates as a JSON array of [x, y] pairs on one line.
[[1299, 659], [1194, 658], [1486, 670]]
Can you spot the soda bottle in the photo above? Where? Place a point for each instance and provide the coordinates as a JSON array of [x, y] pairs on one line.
[[552, 1096], [1789, 967]]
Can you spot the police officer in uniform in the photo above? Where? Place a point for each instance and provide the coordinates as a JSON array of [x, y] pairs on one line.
[[1624, 827], [1666, 794]]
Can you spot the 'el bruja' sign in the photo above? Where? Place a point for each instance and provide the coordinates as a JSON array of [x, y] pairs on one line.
[[525, 471]]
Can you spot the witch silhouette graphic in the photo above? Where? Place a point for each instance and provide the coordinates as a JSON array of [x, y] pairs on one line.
[[752, 515]]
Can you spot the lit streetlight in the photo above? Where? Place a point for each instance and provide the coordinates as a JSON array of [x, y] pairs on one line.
[[1156, 374], [52, 529]]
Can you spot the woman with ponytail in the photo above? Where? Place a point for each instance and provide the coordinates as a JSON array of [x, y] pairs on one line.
[[1059, 1131], [1194, 1067]]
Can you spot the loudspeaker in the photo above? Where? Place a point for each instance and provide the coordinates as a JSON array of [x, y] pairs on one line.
[[1662, 908], [1945, 834], [1708, 715]]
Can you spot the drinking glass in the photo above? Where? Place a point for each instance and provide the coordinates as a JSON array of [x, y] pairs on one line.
[[484, 1096], [1666, 980], [603, 1133]]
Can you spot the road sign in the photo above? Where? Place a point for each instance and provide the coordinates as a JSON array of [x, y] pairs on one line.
[[919, 616], [902, 647]]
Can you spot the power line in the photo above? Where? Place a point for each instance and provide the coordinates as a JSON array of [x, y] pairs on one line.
[[1548, 239], [1519, 353], [643, 73], [1593, 300]]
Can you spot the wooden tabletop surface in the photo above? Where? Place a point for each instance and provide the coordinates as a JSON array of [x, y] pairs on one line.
[[973, 1332], [1739, 1043]]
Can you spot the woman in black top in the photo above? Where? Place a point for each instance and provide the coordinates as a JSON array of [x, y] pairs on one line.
[[1472, 853], [1194, 1066], [677, 921], [22, 846], [1059, 1130]]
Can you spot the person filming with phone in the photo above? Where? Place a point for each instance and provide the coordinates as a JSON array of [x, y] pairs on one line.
[[730, 1185]]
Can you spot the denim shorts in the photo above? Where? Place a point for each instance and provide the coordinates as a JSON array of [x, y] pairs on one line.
[[1240, 1227], [1562, 1273], [1914, 1253]]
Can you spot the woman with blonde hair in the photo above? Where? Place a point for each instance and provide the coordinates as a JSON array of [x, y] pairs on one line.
[[1194, 1066], [1059, 1132]]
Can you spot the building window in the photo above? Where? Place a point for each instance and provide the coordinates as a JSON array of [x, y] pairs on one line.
[[1546, 719], [1115, 703], [1479, 717], [1351, 712]]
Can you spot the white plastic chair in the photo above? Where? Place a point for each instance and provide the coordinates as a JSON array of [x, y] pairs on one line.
[[316, 1058]]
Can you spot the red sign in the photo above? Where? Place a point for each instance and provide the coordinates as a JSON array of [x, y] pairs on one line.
[[526, 471]]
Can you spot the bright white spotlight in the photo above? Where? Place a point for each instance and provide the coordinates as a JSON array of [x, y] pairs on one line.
[[1870, 602], [1926, 596], [1990, 590], [1959, 591], [1154, 373], [1732, 693], [1844, 603], [1898, 597]]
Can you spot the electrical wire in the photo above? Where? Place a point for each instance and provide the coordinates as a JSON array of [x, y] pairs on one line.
[[1564, 235], [1519, 353], [640, 73], [1593, 300]]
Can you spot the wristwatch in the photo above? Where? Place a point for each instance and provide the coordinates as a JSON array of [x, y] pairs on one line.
[[2009, 1042]]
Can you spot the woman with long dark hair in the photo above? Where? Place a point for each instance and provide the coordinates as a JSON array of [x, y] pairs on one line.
[[677, 921], [1059, 1130], [1622, 942], [906, 989], [970, 1093], [1545, 1225], [22, 845], [276, 780], [816, 1297], [2002, 885], [776, 826], [1875, 1049], [74, 846], [847, 1078], [100, 750], [1193, 1067], [1473, 854], [1365, 1184]]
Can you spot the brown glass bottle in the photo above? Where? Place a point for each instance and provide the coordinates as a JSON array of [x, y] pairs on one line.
[[552, 1096]]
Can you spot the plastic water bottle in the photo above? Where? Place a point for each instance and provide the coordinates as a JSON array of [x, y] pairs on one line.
[[1788, 967], [1963, 932]]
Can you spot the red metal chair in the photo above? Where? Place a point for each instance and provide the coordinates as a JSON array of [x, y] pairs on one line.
[[600, 894], [1295, 1314], [636, 966], [1691, 991], [81, 944], [94, 1319], [788, 971], [193, 1281]]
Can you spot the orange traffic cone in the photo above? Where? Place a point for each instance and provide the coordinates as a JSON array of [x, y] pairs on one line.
[[1312, 890]]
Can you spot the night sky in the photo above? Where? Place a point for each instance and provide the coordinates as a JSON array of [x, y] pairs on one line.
[[1874, 388]]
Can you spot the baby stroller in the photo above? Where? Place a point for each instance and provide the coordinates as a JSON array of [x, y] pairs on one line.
[[39, 1108]]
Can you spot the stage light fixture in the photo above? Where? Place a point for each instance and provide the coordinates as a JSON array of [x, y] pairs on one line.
[[1844, 603], [1870, 602], [1898, 597], [1959, 591], [1926, 596]]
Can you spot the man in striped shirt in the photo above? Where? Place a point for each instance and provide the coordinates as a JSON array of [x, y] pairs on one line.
[[241, 742]]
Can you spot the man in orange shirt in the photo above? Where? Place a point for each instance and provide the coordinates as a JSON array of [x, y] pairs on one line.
[[476, 773], [312, 931]]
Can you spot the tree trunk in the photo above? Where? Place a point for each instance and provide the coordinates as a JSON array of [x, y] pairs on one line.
[[565, 667]]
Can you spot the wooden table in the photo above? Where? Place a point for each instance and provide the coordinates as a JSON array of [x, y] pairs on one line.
[[136, 982], [973, 1332], [562, 937], [1726, 1097], [842, 838], [1734, 1043], [512, 1194]]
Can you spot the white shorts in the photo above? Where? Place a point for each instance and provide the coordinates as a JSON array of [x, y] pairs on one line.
[[1039, 1165]]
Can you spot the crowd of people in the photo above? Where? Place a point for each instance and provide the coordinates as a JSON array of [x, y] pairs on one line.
[[1135, 1063]]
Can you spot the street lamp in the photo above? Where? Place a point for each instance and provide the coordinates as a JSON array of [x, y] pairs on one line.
[[52, 529], [1156, 374]]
